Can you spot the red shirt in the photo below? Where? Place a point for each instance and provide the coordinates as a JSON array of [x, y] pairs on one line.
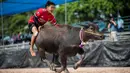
[[43, 16]]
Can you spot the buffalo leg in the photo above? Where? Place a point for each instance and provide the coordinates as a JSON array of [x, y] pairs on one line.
[[42, 53], [79, 62], [63, 59], [55, 60], [43, 57], [48, 63]]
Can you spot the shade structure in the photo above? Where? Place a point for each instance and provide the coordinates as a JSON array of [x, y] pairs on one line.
[[9, 7]]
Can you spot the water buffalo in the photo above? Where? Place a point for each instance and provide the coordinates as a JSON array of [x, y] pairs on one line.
[[65, 42]]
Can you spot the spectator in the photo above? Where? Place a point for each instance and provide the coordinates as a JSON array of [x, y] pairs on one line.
[[19, 37], [6, 40], [113, 29], [14, 38], [120, 24]]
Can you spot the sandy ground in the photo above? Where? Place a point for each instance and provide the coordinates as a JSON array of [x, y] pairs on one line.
[[79, 70]]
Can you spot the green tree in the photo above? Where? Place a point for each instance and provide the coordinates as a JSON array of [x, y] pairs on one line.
[[15, 23], [88, 9]]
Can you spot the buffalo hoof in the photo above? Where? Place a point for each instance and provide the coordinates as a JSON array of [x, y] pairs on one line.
[[76, 66], [58, 71], [53, 68], [66, 71]]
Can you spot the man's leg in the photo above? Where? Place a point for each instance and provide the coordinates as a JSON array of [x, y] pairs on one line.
[[111, 36], [35, 33], [115, 36]]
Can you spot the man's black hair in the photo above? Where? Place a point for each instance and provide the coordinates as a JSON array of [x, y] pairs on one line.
[[49, 3]]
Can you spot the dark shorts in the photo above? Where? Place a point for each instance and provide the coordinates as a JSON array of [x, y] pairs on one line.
[[31, 25]]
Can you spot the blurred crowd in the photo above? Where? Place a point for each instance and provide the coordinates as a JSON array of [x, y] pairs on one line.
[[15, 38]]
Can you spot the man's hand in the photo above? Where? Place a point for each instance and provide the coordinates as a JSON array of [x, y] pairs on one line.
[[113, 22]]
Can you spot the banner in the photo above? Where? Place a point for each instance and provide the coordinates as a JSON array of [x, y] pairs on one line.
[[98, 53]]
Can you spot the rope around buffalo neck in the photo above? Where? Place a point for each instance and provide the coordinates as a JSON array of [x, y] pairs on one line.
[[81, 34], [81, 38]]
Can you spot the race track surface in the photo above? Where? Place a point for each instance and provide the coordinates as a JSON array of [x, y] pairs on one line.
[[79, 70]]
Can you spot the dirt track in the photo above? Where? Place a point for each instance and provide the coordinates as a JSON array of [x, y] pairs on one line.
[[79, 70]]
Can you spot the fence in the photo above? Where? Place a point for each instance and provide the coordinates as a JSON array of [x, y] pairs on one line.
[[126, 23], [15, 46], [121, 36]]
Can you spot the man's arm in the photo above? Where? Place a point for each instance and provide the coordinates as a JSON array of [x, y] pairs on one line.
[[108, 26], [114, 23], [53, 22]]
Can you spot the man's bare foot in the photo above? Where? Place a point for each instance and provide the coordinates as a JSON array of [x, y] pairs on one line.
[[32, 52]]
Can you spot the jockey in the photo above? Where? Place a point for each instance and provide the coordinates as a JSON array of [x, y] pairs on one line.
[[40, 17]]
